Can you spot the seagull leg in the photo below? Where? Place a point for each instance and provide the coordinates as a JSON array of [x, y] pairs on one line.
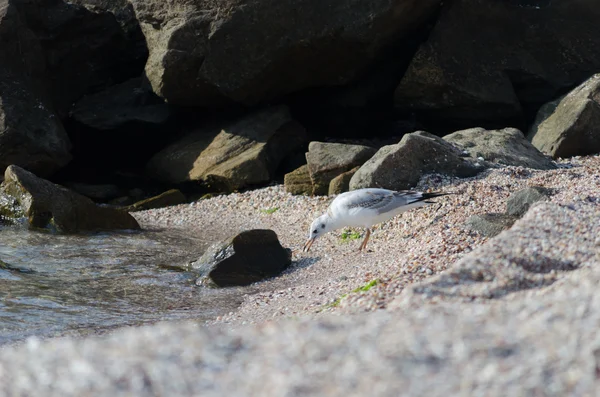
[[364, 242]]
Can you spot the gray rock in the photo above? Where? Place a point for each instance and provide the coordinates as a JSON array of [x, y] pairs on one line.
[[45, 205], [31, 134], [573, 129], [400, 166], [519, 202], [490, 225], [205, 53], [231, 155], [507, 147], [328, 160], [341, 183], [248, 257], [87, 45], [298, 181], [121, 105], [491, 76]]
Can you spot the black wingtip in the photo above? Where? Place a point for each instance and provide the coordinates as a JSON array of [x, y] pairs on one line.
[[435, 194]]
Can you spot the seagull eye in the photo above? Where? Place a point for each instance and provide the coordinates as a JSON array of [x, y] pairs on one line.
[[322, 226], [315, 231]]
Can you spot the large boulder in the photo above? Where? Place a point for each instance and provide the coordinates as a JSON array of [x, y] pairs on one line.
[[45, 205], [204, 53], [573, 128], [248, 257], [31, 134], [520, 55], [121, 105], [230, 156], [400, 166], [328, 160], [507, 146], [87, 45]]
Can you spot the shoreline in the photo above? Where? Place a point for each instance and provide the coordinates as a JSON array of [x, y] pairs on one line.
[[333, 278]]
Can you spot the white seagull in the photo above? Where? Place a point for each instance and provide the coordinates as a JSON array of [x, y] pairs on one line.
[[365, 208]]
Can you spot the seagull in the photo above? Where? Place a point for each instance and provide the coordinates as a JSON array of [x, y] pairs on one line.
[[365, 208]]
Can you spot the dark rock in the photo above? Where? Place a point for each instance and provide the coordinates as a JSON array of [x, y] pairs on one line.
[[31, 134], [400, 166], [298, 181], [341, 183], [234, 155], [251, 256], [122, 201], [121, 105], [573, 128], [166, 199], [517, 58], [95, 192], [519, 202], [328, 160], [507, 147], [87, 45], [45, 205], [206, 53], [490, 225]]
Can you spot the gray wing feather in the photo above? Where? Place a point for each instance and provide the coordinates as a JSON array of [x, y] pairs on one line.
[[384, 201]]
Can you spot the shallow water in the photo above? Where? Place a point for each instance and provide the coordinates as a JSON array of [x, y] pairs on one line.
[[53, 285]]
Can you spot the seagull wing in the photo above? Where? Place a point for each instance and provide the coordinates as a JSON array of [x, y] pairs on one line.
[[382, 201]]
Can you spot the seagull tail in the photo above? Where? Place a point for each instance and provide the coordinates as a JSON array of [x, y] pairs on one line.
[[427, 196]]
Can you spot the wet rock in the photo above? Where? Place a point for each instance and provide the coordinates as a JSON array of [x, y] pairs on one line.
[[206, 53], [400, 166], [328, 160], [168, 198], [45, 205], [31, 134], [87, 45], [298, 181], [121, 105], [341, 183], [95, 192], [519, 202], [490, 225], [233, 155], [573, 128], [491, 76], [251, 256], [507, 146]]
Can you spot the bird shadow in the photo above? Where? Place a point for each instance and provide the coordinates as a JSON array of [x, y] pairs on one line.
[[301, 263]]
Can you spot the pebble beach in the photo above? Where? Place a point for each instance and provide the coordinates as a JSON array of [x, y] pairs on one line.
[[334, 278]]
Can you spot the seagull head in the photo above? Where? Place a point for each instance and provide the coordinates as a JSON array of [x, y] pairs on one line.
[[318, 227]]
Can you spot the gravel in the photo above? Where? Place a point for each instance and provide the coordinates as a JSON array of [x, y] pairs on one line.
[[409, 248]]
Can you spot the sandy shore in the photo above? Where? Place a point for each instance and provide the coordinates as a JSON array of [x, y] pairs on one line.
[[402, 251]]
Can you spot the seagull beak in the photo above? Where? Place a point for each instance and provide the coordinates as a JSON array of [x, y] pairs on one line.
[[308, 244]]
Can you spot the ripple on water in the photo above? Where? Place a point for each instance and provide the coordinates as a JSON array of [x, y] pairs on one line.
[[53, 285]]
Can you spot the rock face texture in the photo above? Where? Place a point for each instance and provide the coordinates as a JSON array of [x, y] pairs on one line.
[[86, 45], [47, 206], [298, 181], [573, 127], [522, 55], [248, 257], [227, 157], [31, 134], [400, 166], [206, 53], [505, 147], [536, 332]]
